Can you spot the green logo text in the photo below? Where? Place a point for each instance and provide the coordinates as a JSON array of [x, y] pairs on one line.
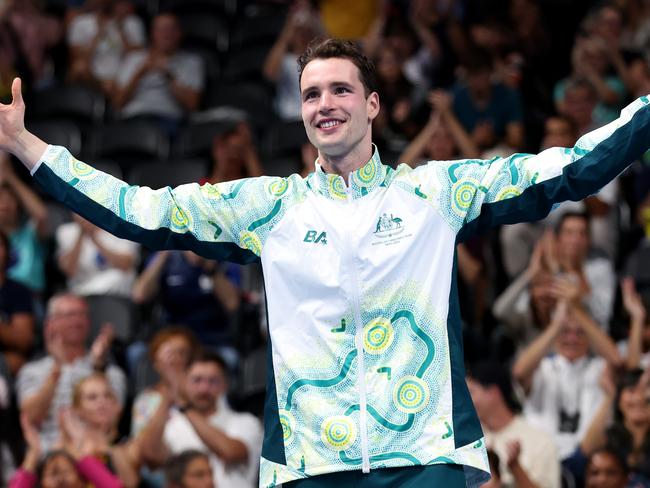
[[315, 237]]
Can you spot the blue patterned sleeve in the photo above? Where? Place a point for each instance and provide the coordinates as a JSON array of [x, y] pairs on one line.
[[226, 221], [473, 195]]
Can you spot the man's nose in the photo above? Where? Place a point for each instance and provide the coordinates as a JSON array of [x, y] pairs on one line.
[[325, 104]]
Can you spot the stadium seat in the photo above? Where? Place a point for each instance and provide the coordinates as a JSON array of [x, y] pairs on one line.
[[109, 167], [167, 173], [145, 375], [78, 103], [249, 385], [204, 29], [116, 310], [245, 64], [195, 140], [285, 139], [258, 27], [228, 7], [130, 142], [281, 166], [60, 133], [253, 98]]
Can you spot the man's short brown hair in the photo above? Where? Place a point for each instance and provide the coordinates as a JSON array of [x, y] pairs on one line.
[[338, 48]]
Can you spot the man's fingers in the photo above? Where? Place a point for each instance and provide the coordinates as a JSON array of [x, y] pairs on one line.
[[16, 92]]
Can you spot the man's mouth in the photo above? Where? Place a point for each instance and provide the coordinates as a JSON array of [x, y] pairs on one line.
[[328, 123]]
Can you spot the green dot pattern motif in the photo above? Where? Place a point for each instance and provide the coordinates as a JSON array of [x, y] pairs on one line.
[[378, 336], [411, 395], [338, 432]]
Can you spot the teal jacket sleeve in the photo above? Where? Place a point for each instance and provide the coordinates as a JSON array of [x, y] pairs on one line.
[[473, 195], [225, 221]]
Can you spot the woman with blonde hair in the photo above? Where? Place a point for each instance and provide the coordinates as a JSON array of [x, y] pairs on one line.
[[94, 418]]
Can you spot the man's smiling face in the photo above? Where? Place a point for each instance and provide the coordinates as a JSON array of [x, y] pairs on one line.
[[335, 110]]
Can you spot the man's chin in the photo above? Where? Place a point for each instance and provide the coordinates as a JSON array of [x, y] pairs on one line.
[[332, 148]]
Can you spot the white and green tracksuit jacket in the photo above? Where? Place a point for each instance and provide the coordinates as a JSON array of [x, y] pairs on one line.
[[365, 363]]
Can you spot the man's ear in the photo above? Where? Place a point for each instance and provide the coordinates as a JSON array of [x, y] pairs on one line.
[[372, 105]]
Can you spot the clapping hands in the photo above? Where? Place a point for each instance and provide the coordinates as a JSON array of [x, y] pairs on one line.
[[632, 301], [101, 346]]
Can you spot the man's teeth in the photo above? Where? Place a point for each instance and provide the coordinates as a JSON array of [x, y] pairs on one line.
[[329, 123]]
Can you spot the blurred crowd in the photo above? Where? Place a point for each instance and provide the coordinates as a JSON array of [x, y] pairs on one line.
[[123, 367]]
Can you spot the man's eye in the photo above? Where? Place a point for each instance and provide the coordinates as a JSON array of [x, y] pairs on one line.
[[310, 95], [341, 89]]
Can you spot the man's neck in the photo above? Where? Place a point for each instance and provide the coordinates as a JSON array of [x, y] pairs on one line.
[[346, 164]]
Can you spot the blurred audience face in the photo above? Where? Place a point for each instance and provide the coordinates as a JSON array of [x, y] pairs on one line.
[[572, 342], [579, 103], [489, 36], [441, 145], [304, 30], [633, 404], [609, 24], [68, 316], [59, 472], [638, 73], [593, 51], [174, 352], [96, 404], [198, 474], [228, 152], [558, 132], [204, 384], [389, 69], [483, 397], [165, 34], [605, 471], [479, 83], [573, 239], [541, 297]]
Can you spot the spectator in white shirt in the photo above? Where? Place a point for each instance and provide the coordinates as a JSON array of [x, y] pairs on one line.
[[100, 38], [195, 415], [562, 389], [528, 456]]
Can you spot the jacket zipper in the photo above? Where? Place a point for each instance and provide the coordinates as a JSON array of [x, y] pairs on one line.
[[358, 341]]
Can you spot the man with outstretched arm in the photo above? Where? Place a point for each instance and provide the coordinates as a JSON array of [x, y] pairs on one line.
[[365, 363]]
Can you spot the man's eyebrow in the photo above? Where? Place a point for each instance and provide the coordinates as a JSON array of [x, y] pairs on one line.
[[308, 89], [334, 84]]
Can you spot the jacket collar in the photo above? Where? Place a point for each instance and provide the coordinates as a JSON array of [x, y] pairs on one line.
[[361, 182]]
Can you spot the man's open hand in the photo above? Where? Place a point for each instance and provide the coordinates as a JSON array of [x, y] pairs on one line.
[[12, 118]]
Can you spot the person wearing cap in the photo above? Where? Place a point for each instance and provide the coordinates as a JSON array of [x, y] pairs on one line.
[[527, 455]]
